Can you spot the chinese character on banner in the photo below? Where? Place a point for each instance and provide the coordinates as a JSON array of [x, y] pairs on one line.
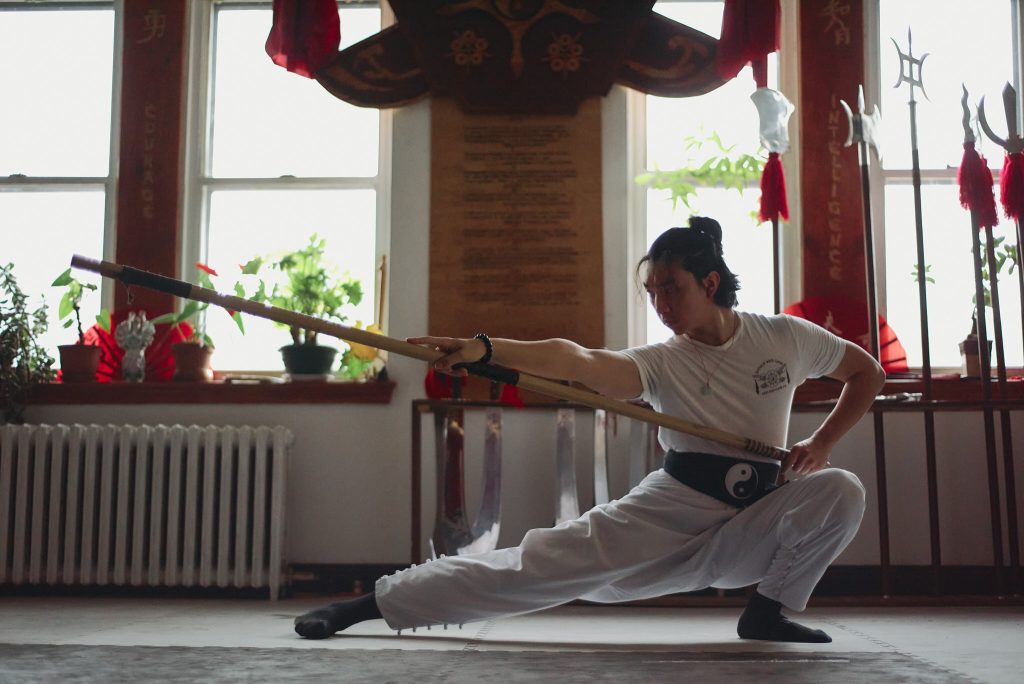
[[834, 11], [154, 25]]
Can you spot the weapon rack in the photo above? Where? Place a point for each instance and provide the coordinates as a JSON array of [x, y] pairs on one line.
[[819, 397]]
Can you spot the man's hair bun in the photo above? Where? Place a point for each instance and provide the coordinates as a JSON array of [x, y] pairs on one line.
[[709, 227]]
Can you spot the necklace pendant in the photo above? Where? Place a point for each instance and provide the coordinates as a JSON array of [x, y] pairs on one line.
[[705, 389]]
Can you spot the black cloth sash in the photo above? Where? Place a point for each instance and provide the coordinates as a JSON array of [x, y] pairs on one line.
[[733, 481]]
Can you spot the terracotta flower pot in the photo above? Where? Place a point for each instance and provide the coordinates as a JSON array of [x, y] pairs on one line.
[[308, 361], [78, 362], [970, 358], [192, 362]]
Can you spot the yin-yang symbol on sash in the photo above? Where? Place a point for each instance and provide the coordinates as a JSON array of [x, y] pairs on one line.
[[741, 481]]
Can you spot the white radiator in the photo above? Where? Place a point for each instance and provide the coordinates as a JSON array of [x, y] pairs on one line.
[[143, 505]]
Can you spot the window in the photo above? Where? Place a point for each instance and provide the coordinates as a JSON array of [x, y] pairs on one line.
[[728, 112], [970, 43], [56, 188], [274, 159]]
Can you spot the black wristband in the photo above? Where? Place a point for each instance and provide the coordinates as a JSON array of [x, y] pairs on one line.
[[487, 343]]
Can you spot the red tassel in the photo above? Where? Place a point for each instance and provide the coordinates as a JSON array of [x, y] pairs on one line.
[[1011, 186], [975, 179], [510, 396], [304, 36], [437, 385], [773, 190]]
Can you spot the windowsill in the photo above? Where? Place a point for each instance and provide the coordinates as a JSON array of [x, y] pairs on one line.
[[944, 389], [213, 393], [811, 393]]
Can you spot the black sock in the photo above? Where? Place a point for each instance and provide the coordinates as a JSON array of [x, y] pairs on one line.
[[323, 622], [763, 619]]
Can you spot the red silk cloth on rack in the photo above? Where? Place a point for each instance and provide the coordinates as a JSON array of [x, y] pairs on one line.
[[305, 35], [750, 32]]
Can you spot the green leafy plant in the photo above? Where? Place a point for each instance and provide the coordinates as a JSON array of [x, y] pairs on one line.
[[71, 303], [193, 311], [307, 284], [23, 361], [710, 163], [928, 277], [1005, 255]]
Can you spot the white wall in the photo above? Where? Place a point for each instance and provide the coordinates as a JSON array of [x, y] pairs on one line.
[[349, 478]]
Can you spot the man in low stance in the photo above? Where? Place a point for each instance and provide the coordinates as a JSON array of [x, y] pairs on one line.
[[713, 516]]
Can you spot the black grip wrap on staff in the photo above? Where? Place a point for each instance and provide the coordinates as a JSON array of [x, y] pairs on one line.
[[136, 276], [486, 370], [762, 449]]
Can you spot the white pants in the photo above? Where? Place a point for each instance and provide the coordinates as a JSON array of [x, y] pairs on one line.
[[661, 538]]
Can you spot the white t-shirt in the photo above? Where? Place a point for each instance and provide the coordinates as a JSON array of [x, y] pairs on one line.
[[753, 378]]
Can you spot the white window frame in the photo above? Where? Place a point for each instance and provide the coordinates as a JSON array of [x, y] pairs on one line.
[[879, 177], [18, 182], [198, 182], [791, 240]]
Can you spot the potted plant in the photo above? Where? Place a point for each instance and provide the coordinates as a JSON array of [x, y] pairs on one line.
[[23, 361], [306, 284], [79, 361], [192, 357]]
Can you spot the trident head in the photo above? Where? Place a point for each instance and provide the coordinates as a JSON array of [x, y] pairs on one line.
[[864, 127], [1012, 143]]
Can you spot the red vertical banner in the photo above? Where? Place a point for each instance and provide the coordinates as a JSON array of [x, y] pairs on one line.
[[149, 174], [831, 69]]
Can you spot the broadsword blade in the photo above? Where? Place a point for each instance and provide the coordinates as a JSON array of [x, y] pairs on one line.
[[451, 529], [601, 489], [567, 504], [487, 524]]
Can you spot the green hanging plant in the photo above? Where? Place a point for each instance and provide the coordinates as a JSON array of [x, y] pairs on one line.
[[710, 163]]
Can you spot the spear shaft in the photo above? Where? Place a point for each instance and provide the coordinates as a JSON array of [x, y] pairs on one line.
[[186, 290]]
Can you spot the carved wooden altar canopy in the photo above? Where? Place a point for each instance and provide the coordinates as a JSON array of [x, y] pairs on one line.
[[522, 56]]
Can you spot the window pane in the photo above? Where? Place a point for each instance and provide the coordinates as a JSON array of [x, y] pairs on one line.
[[728, 113], [71, 222], [726, 110], [967, 43], [269, 122], [57, 76], [245, 224], [747, 245], [950, 298]]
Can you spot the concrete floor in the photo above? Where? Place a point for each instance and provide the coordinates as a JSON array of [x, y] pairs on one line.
[[979, 644]]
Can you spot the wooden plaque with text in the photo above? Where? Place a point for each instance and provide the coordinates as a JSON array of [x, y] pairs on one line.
[[515, 225]]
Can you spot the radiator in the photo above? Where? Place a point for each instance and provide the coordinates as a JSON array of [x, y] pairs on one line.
[[143, 505]]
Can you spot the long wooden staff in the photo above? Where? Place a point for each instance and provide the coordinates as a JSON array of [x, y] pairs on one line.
[[180, 288]]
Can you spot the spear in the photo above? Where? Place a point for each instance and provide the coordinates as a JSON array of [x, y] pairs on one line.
[[907, 75], [863, 130], [973, 183], [180, 288], [1012, 195]]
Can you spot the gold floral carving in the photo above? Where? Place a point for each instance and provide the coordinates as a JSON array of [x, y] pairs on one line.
[[468, 50], [565, 54], [517, 19]]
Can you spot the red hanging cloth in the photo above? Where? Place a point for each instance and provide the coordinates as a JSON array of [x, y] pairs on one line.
[[1011, 186], [750, 32], [773, 190], [975, 179], [305, 35]]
